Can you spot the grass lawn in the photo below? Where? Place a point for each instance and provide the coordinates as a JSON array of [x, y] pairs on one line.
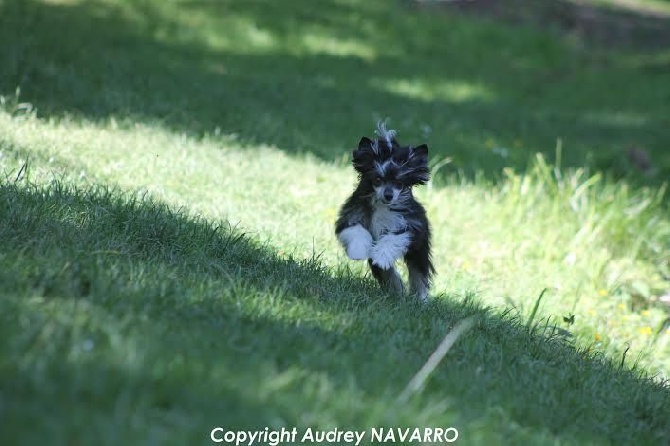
[[170, 173]]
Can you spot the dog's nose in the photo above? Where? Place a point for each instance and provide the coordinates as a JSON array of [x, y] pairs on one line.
[[388, 194]]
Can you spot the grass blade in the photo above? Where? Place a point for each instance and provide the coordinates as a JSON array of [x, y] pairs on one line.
[[418, 381], [535, 308]]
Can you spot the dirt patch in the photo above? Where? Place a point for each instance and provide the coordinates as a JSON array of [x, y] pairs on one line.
[[618, 24]]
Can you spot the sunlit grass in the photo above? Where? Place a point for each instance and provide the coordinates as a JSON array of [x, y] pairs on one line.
[[649, 6], [586, 240], [168, 260], [450, 91]]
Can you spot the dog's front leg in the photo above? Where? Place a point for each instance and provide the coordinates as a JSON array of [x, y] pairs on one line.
[[357, 241], [389, 279], [389, 248]]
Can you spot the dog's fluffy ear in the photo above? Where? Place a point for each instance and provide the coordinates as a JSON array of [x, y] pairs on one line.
[[420, 154], [418, 164], [365, 143], [364, 155]]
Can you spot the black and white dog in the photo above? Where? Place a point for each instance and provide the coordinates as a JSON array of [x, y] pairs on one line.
[[381, 221]]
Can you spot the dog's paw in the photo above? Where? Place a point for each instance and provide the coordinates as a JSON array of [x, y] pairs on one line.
[[359, 250], [382, 258], [388, 249], [357, 241]]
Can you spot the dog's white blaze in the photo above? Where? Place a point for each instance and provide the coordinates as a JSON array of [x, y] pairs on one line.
[[380, 168], [389, 248], [357, 241], [375, 147]]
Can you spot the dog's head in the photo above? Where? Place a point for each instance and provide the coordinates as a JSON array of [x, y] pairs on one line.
[[388, 168]]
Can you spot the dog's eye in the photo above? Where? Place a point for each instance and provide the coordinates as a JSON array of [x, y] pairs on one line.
[[377, 181]]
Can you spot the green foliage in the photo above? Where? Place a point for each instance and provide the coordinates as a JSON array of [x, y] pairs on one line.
[[170, 173]]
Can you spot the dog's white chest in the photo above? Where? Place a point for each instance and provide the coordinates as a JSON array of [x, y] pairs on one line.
[[385, 221]]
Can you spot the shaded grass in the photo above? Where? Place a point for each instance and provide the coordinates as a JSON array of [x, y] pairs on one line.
[[253, 69], [149, 326]]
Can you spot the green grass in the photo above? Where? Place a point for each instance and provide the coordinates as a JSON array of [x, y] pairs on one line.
[[171, 172]]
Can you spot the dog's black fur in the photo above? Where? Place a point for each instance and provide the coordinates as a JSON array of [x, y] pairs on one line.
[[381, 221]]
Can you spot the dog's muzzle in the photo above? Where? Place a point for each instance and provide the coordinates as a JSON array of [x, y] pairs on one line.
[[388, 194]]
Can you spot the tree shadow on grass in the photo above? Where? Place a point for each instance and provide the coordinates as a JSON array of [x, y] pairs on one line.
[[315, 79], [123, 320]]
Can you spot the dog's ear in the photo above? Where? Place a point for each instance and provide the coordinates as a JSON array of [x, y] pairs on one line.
[[363, 156], [365, 143], [418, 164], [420, 154]]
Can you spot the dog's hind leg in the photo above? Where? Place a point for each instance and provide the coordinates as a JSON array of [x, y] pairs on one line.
[[419, 269], [418, 282], [388, 279]]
